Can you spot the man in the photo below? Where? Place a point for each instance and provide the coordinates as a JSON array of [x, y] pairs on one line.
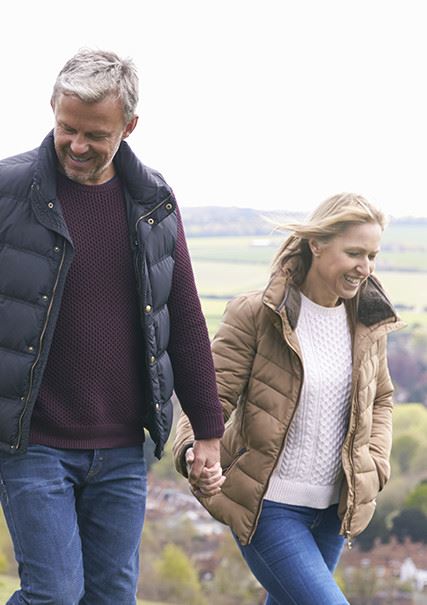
[[99, 321]]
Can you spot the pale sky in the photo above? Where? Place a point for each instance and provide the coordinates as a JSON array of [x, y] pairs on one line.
[[263, 104]]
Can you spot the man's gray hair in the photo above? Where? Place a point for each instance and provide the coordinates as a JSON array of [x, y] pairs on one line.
[[93, 75]]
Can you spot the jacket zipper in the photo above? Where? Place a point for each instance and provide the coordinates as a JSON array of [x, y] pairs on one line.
[[283, 441], [28, 397], [349, 514]]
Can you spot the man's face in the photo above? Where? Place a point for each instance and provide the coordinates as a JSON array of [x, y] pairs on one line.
[[87, 137]]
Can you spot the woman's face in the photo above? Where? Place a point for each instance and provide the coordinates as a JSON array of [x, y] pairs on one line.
[[342, 264]]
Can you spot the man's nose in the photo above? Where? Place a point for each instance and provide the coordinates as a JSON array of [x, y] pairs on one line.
[[78, 145]]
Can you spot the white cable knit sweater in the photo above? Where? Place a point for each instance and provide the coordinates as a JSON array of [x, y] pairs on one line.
[[309, 471]]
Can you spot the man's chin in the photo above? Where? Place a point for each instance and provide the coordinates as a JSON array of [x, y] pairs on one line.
[[95, 175], [78, 177]]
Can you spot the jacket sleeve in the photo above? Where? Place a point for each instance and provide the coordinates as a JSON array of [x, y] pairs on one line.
[[233, 350], [381, 433]]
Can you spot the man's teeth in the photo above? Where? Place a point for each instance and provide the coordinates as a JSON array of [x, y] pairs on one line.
[[78, 159]]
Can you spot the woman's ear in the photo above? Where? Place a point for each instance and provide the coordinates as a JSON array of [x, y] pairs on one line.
[[314, 246]]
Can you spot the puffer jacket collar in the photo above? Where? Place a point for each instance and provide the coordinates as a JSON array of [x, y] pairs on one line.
[[373, 306], [144, 185]]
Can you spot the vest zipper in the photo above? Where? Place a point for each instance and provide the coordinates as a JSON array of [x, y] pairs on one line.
[[143, 216], [137, 256], [138, 271], [28, 396]]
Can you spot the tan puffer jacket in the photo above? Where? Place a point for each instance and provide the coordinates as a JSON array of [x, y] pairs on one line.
[[259, 376]]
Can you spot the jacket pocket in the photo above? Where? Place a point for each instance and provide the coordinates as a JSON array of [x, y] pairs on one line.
[[383, 472], [229, 467]]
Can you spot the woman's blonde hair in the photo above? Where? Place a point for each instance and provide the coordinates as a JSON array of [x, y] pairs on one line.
[[330, 219]]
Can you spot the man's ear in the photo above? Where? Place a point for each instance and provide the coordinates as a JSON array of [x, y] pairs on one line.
[[130, 127]]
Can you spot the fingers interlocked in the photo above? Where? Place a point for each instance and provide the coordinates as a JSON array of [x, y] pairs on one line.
[[209, 480]]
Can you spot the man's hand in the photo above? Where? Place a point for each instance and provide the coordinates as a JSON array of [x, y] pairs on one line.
[[204, 468]]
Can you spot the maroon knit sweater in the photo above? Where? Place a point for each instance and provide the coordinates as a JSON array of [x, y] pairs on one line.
[[92, 393]]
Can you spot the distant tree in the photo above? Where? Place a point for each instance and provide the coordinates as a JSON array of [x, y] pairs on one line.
[[149, 447], [407, 357], [377, 529], [418, 498], [404, 449], [361, 585], [233, 583], [410, 523], [179, 581]]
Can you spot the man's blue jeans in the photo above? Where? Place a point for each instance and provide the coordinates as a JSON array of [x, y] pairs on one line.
[[294, 552], [75, 518]]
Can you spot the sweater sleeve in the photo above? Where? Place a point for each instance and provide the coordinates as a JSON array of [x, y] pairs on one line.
[[189, 349]]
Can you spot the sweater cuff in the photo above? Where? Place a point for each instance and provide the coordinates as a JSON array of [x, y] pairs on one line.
[[208, 427]]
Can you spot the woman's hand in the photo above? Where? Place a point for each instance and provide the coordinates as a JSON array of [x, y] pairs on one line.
[[210, 479]]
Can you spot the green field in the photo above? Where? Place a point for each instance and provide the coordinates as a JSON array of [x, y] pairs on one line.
[[403, 247], [227, 266]]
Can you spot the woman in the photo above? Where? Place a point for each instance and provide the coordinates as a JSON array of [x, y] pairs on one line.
[[303, 380]]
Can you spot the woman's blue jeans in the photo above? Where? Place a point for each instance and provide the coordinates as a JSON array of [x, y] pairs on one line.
[[294, 552], [75, 518]]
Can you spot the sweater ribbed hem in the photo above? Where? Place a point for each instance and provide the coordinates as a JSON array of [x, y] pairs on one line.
[[302, 494], [99, 437]]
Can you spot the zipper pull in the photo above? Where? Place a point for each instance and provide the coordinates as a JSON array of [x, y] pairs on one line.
[[349, 540]]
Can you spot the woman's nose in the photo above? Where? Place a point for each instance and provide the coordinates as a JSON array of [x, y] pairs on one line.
[[365, 267]]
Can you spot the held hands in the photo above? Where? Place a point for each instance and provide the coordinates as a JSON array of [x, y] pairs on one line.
[[204, 468]]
